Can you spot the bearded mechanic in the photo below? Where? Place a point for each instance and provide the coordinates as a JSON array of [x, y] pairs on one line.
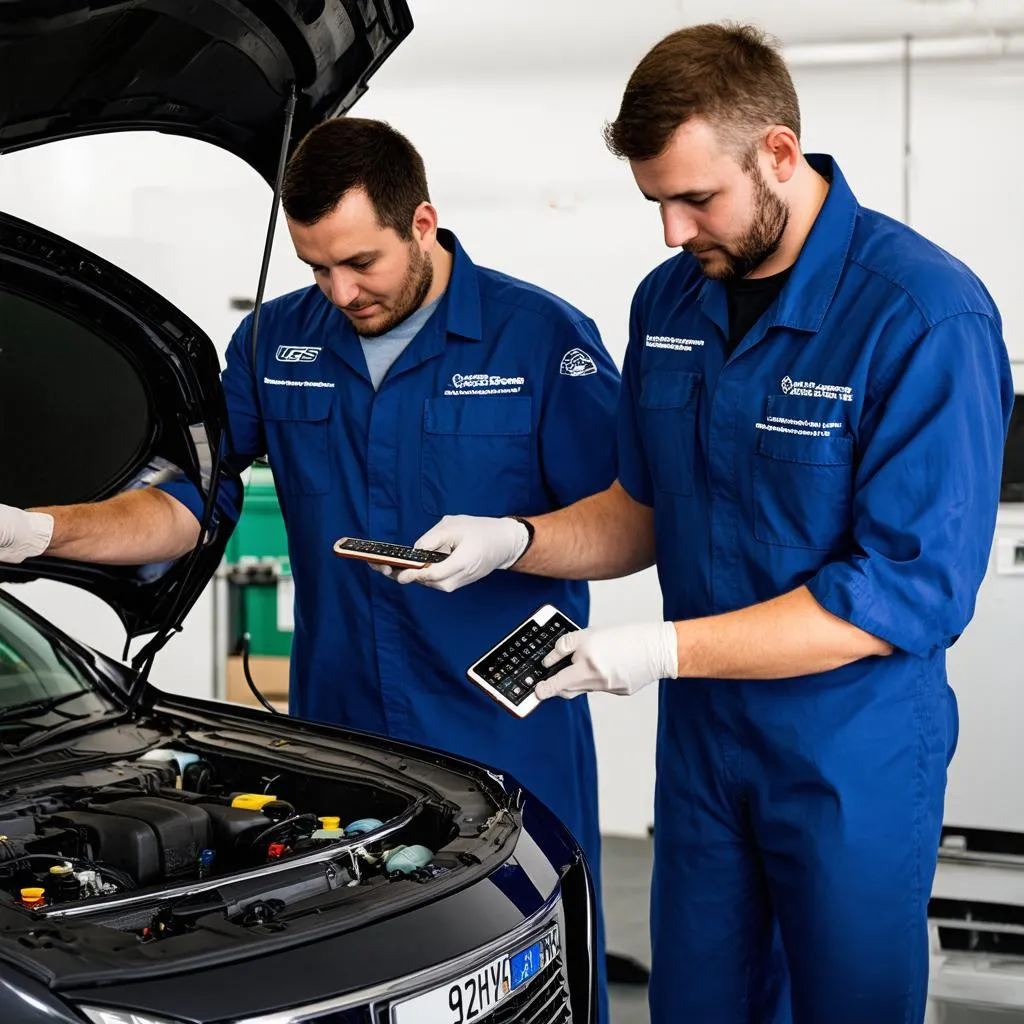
[[815, 401], [435, 386]]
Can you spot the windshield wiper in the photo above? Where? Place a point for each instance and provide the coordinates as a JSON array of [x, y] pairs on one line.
[[30, 708]]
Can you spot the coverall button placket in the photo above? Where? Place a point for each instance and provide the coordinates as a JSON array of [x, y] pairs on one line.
[[725, 513], [724, 568], [383, 519]]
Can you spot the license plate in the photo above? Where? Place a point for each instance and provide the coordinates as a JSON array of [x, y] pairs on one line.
[[476, 994]]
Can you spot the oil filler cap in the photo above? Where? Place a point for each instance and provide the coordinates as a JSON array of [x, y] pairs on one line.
[[252, 801]]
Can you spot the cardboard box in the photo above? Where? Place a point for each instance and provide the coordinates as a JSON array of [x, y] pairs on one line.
[[269, 673]]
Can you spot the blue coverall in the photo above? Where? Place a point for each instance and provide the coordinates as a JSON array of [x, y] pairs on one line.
[[504, 403], [851, 443]]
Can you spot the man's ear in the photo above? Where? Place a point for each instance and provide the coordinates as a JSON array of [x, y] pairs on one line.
[[783, 149], [424, 225]]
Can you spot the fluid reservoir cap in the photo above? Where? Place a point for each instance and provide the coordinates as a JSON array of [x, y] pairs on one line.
[[363, 825], [252, 801], [181, 757], [33, 894], [407, 859], [61, 869], [278, 810], [330, 821]]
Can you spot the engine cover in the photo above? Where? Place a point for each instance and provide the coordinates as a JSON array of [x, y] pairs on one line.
[[181, 830]]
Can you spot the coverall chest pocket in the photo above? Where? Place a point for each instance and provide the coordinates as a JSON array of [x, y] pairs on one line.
[[297, 425], [476, 455], [668, 414], [803, 477]]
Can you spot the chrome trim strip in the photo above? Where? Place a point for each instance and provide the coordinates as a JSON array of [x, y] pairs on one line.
[[330, 853], [411, 983], [976, 925], [981, 859], [592, 1008]]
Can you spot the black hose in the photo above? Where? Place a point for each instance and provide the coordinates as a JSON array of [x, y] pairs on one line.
[[51, 857], [121, 878], [246, 643], [116, 875], [312, 819]]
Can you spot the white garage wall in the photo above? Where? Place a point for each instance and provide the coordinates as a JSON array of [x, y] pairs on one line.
[[519, 170], [967, 136]]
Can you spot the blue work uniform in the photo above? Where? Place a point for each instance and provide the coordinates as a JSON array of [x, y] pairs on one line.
[[504, 402], [852, 443]]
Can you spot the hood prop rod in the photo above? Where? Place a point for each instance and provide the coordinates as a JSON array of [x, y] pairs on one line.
[[268, 245], [143, 661]]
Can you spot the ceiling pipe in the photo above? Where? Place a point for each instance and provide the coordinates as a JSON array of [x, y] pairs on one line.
[[897, 51], [908, 80]]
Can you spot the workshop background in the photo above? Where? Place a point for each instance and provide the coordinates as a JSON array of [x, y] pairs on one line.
[[920, 101]]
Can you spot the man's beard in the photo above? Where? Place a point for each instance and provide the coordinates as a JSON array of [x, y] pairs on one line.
[[414, 288], [771, 215]]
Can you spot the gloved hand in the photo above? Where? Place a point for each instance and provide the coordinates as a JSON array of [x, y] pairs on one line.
[[620, 660], [478, 546], [23, 534]]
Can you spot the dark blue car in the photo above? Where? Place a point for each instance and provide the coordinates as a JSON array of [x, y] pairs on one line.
[[164, 859]]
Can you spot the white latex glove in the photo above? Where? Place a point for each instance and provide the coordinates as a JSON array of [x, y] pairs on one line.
[[620, 660], [478, 546], [23, 534]]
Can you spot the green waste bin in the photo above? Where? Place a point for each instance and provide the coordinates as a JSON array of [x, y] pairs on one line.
[[263, 607], [260, 530], [266, 613]]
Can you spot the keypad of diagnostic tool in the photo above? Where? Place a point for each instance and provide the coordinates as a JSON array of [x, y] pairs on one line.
[[514, 668]]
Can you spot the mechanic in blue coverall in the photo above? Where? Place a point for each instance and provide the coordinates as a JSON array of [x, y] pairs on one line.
[[407, 382], [815, 401]]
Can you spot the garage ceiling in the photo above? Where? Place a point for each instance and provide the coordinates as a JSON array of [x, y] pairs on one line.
[[459, 37]]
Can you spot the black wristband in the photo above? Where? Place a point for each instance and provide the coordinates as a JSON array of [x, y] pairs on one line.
[[529, 534]]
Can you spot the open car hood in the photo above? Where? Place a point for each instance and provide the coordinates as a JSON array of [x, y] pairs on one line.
[[104, 385], [215, 70]]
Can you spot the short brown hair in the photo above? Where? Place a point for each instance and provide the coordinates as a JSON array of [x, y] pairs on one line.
[[731, 75], [351, 152]]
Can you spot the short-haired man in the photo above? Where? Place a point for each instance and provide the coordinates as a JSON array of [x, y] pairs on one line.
[[436, 386], [815, 401]]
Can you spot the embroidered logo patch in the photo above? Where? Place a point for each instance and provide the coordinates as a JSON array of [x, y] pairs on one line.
[[812, 389], [484, 384], [484, 380], [297, 354], [577, 363]]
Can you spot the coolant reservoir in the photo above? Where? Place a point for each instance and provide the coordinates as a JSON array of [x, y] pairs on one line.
[[64, 883]]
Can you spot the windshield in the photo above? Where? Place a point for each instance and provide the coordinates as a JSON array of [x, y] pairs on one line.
[[41, 683]]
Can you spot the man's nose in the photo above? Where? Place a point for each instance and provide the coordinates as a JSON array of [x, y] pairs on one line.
[[344, 289], [679, 227]]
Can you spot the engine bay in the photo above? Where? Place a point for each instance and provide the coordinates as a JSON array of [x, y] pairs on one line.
[[152, 846]]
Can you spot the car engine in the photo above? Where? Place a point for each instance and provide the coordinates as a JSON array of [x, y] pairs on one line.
[[173, 820]]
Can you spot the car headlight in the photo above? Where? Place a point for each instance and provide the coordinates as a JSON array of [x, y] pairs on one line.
[[99, 1015]]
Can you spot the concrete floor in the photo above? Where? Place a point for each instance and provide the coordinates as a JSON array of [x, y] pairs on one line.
[[626, 870], [626, 865]]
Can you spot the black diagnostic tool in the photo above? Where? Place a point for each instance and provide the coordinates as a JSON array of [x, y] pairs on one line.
[[384, 553], [510, 670]]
